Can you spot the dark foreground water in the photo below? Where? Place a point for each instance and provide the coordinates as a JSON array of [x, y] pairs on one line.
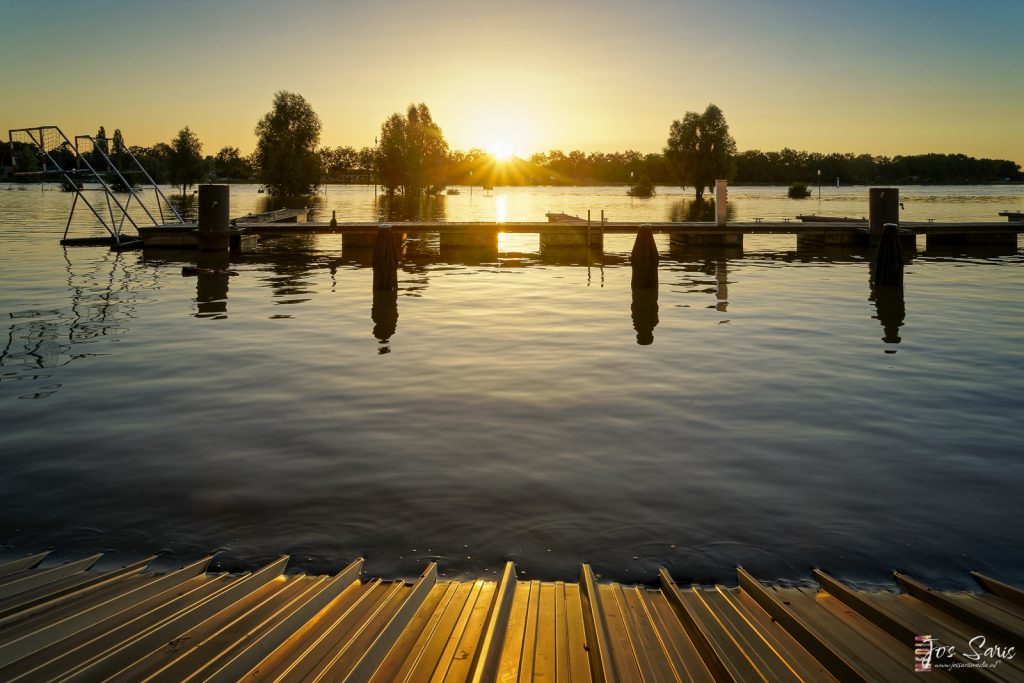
[[501, 407]]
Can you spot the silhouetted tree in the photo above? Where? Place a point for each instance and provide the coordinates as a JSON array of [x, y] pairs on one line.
[[229, 163], [700, 149], [185, 162], [413, 155], [286, 155]]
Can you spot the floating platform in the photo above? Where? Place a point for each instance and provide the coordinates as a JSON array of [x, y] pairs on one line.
[[278, 216], [71, 622]]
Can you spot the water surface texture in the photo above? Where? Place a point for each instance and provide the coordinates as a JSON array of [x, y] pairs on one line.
[[762, 409]]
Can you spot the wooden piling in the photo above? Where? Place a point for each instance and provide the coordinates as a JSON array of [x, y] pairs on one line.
[[385, 261], [644, 259], [888, 262], [214, 217], [883, 207]]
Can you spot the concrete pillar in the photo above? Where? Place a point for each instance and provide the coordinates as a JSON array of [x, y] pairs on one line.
[[214, 217], [721, 198], [883, 207]]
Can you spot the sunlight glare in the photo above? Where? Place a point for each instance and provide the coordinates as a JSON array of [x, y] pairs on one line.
[[501, 151]]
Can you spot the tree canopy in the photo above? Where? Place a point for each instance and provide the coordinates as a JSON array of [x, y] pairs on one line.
[[413, 154], [700, 149], [185, 162], [286, 155]]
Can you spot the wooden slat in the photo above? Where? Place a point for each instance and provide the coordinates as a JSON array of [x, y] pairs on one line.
[[291, 653], [155, 663], [361, 640], [419, 630], [561, 628], [804, 665], [22, 564], [140, 644], [86, 644], [546, 652], [75, 586], [601, 666], [651, 650], [468, 649], [947, 630], [710, 651], [389, 635], [759, 649], [989, 626], [1003, 590], [65, 627], [576, 632], [512, 649], [286, 624], [869, 649], [20, 583], [683, 653], [485, 666], [530, 635], [624, 652], [428, 655], [803, 632], [883, 618]]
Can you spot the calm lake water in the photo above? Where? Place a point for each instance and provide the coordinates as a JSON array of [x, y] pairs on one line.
[[501, 407]]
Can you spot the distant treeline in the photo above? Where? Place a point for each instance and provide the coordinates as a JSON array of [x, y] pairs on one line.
[[348, 164]]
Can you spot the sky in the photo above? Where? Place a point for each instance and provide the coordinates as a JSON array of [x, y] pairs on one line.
[[895, 77]]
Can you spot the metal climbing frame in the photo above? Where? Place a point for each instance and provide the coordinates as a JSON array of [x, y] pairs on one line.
[[89, 164]]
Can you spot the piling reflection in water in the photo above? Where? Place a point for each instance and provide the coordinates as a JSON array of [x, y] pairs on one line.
[[212, 284], [644, 283], [891, 311], [384, 314]]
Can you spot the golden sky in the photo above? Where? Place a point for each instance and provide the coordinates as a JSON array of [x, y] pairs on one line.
[[900, 77]]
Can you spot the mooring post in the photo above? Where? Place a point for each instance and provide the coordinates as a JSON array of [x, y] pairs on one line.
[[888, 264], [644, 259], [721, 200], [385, 261], [883, 207], [214, 217]]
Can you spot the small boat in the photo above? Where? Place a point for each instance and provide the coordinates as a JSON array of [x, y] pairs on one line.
[[452, 190]]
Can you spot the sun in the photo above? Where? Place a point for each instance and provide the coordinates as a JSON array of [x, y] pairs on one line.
[[501, 150]]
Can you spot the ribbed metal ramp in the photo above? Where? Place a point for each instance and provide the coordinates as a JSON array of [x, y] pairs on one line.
[[70, 622]]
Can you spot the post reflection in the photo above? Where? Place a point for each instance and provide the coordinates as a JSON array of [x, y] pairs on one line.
[[384, 314], [212, 275], [644, 310], [891, 312]]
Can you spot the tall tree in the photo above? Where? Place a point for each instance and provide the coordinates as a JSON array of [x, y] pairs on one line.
[[286, 155], [413, 154], [700, 149], [185, 161], [229, 163]]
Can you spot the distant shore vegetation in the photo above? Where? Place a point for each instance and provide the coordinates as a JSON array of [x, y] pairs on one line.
[[411, 157]]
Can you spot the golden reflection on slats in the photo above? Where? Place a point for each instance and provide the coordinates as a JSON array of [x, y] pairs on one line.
[[72, 623]]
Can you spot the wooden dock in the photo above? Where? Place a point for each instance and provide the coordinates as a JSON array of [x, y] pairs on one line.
[[70, 622]]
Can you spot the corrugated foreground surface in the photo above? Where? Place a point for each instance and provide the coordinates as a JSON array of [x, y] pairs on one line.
[[71, 623]]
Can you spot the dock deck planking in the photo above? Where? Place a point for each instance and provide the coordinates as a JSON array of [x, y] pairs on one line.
[[132, 624]]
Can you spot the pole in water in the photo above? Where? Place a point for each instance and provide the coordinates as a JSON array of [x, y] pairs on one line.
[[644, 259], [385, 261], [888, 264]]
